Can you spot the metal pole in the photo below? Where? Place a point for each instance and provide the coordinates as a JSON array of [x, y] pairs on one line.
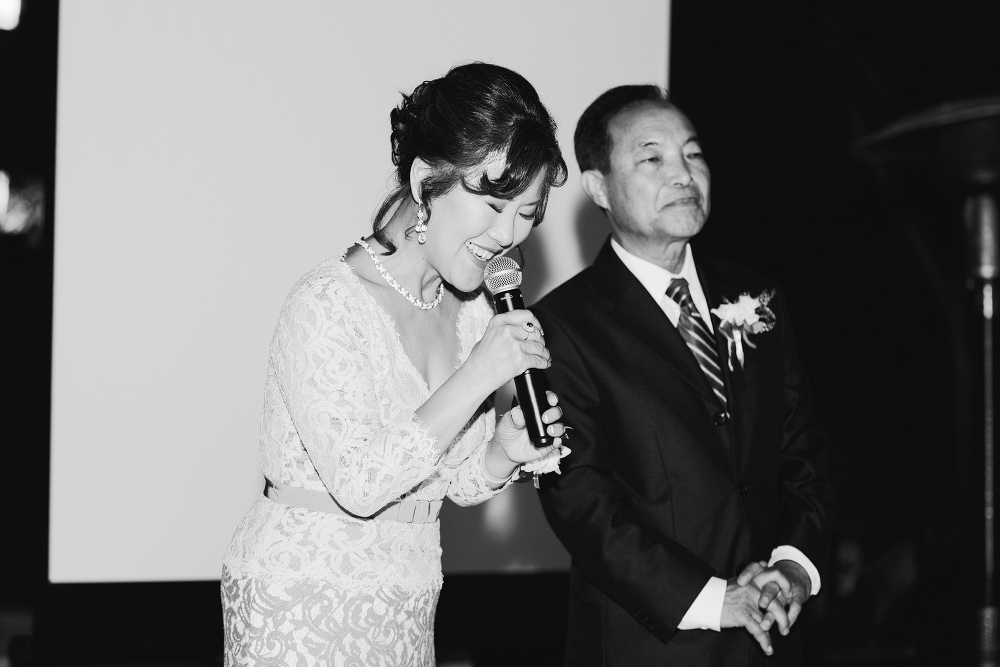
[[988, 435], [988, 613], [981, 219]]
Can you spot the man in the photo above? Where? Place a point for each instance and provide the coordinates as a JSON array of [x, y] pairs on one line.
[[696, 504]]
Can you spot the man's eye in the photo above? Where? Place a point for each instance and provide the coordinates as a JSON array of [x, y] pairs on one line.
[[695, 155], [655, 159]]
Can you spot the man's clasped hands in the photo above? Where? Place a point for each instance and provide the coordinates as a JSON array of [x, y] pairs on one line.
[[762, 597]]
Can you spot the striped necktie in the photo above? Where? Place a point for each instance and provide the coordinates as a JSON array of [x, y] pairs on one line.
[[699, 339]]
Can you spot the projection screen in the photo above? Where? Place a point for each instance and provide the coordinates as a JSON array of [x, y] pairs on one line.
[[208, 154]]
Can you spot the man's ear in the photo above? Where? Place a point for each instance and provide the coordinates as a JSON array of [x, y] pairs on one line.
[[419, 170], [592, 182]]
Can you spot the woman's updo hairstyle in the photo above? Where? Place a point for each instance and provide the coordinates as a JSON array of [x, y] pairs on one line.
[[457, 123]]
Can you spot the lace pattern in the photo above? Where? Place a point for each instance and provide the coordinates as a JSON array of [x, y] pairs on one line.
[[303, 587], [303, 622]]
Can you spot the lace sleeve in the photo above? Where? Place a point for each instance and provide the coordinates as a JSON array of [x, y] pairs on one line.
[[366, 445], [469, 486]]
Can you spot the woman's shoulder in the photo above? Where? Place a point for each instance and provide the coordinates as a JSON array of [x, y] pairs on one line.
[[331, 284]]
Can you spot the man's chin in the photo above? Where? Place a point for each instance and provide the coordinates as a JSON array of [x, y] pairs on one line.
[[684, 226]]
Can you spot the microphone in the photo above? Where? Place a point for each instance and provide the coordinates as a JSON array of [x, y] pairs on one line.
[[503, 280]]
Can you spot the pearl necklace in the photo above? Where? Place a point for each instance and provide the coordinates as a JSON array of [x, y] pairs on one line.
[[422, 305]]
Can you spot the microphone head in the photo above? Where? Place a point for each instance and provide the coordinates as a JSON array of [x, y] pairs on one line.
[[502, 274]]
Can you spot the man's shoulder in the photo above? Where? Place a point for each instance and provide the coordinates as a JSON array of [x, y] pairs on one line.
[[568, 294], [727, 275]]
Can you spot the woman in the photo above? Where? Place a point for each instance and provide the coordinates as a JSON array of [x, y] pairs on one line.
[[378, 400]]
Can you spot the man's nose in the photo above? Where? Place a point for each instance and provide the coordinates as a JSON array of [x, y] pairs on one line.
[[679, 175]]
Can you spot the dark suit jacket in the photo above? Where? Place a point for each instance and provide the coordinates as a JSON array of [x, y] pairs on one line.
[[662, 489]]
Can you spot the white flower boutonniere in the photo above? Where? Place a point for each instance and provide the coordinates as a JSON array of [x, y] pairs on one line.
[[739, 320]]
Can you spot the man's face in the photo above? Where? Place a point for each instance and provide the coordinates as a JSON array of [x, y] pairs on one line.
[[656, 190]]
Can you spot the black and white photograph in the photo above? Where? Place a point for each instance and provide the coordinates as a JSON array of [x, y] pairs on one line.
[[464, 334]]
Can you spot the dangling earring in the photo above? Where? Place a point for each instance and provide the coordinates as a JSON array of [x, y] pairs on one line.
[[421, 227]]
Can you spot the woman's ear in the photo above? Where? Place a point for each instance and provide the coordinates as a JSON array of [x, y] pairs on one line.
[[592, 182], [419, 170]]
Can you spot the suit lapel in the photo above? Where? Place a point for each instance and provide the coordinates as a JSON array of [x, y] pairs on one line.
[[742, 401], [638, 315]]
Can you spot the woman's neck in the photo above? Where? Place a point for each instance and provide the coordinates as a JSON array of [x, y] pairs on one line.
[[409, 264]]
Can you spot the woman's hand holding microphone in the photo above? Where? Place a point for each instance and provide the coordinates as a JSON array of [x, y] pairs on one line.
[[512, 344]]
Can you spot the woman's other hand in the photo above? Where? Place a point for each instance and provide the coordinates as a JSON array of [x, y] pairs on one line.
[[512, 437], [511, 447]]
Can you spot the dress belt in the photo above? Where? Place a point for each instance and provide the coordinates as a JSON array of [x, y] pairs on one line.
[[407, 511]]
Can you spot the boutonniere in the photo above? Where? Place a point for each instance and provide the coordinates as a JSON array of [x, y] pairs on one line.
[[739, 320]]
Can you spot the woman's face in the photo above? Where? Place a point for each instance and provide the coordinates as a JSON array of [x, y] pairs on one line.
[[466, 230]]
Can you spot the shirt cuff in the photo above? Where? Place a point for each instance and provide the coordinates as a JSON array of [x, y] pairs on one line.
[[786, 552], [705, 613]]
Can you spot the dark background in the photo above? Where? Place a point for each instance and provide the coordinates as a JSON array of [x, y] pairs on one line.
[[873, 263], [875, 269], [27, 152]]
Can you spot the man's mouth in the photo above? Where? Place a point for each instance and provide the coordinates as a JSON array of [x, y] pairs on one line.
[[693, 200]]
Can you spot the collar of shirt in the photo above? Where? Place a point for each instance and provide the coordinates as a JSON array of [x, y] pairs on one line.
[[656, 279]]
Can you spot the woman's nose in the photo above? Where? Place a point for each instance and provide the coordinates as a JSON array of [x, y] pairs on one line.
[[503, 231]]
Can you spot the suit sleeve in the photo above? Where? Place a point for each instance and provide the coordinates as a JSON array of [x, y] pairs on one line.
[[806, 491], [652, 577]]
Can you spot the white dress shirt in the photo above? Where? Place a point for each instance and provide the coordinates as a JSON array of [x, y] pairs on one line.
[[705, 612]]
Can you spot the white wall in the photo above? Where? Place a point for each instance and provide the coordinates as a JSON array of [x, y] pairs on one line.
[[209, 153]]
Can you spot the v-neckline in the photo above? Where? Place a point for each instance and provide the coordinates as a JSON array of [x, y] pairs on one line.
[[397, 341]]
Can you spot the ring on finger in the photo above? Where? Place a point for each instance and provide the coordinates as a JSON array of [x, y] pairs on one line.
[[528, 326]]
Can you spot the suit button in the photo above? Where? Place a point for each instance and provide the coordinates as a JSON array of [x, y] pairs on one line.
[[744, 490], [721, 418]]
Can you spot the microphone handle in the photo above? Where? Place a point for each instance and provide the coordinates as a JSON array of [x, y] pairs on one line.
[[530, 385]]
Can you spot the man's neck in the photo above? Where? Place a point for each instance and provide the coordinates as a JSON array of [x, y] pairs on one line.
[[669, 255]]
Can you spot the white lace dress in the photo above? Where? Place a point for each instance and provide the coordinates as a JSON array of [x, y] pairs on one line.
[[301, 587]]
